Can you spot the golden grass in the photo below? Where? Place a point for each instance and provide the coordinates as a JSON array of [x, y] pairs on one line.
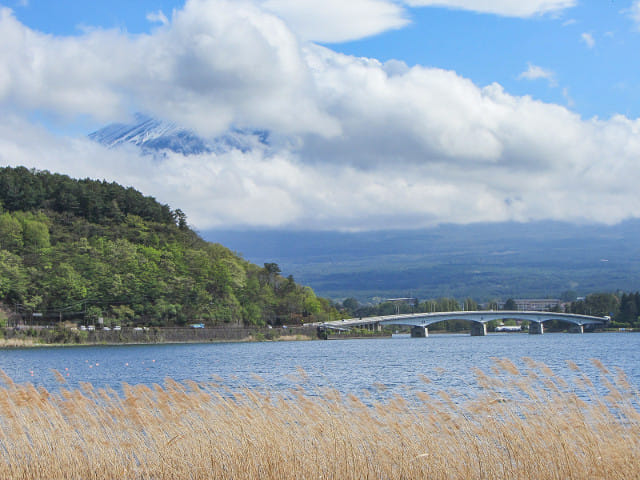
[[17, 342], [525, 424]]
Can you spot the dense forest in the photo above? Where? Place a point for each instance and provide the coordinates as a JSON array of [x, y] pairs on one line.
[[85, 249]]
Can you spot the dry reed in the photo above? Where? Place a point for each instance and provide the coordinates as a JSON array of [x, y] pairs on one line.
[[523, 425]]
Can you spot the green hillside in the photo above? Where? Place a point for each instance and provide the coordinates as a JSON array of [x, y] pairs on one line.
[[84, 249]]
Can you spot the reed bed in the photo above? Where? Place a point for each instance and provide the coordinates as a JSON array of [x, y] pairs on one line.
[[525, 424]]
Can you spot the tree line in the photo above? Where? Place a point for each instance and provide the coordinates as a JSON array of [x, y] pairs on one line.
[[622, 307]]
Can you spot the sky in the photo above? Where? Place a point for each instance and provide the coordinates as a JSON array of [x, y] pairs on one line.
[[382, 113]]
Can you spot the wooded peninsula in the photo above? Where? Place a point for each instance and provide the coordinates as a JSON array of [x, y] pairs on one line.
[[86, 249]]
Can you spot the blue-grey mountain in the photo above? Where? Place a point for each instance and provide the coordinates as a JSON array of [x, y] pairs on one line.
[[483, 261]]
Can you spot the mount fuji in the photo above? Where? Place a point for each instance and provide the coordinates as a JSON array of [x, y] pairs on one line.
[[156, 137]]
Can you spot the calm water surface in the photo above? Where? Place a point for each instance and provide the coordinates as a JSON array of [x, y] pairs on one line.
[[356, 366]]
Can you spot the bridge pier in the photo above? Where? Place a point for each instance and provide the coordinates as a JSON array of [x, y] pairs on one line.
[[478, 329], [419, 331], [577, 329], [536, 328]]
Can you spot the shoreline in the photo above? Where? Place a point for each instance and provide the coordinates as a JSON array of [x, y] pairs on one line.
[[160, 336], [32, 342]]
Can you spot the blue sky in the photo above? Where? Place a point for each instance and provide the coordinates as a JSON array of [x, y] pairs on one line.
[[383, 113], [600, 79]]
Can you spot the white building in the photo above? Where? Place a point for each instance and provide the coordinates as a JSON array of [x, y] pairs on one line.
[[534, 305]]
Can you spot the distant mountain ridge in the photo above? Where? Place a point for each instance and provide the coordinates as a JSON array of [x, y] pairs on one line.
[[154, 136], [482, 261]]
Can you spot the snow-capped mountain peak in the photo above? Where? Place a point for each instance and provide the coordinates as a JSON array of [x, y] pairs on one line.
[[155, 136]]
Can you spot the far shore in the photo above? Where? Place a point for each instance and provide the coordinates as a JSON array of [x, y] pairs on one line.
[[169, 335]]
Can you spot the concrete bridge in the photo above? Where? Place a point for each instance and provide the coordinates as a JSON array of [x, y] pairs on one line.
[[419, 322]]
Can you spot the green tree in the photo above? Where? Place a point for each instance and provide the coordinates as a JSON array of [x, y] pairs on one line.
[[510, 305], [64, 286], [470, 304], [10, 233], [448, 305], [14, 278], [35, 235], [628, 309], [122, 313], [311, 304], [270, 273], [351, 304], [601, 304], [92, 314], [180, 219], [569, 296]]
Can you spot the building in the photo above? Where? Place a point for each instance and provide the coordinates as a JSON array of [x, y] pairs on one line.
[[535, 305]]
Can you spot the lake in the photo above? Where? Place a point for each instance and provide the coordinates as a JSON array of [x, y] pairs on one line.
[[377, 367]]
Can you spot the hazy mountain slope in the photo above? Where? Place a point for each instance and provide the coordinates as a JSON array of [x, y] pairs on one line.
[[483, 261]]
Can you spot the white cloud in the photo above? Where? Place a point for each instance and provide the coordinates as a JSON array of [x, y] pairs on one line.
[[366, 144], [507, 8], [587, 38], [158, 17], [339, 20], [216, 56], [535, 72], [634, 12], [567, 97]]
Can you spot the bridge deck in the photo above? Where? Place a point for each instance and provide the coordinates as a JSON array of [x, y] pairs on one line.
[[482, 316]]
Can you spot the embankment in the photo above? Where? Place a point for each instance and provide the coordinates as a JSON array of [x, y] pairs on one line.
[[56, 336]]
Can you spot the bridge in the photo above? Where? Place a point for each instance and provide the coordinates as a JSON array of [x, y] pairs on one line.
[[419, 322]]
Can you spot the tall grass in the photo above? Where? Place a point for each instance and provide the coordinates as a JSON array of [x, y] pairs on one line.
[[529, 424]]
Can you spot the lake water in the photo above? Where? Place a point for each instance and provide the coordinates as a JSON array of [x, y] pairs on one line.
[[354, 366]]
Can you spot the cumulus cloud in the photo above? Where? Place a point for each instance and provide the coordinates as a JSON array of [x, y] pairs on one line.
[[339, 21], [634, 12], [158, 17], [210, 68], [535, 72], [506, 8], [362, 144], [588, 39], [567, 97]]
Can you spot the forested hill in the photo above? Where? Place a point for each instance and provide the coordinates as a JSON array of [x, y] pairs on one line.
[[83, 249]]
